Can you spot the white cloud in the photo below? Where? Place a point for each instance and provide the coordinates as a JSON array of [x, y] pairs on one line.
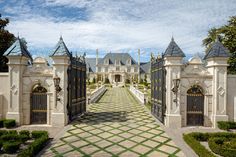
[[126, 24]]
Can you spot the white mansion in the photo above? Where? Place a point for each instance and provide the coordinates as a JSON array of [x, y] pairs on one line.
[[117, 68]]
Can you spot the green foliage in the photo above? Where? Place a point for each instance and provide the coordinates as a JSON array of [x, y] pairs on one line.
[[9, 123], [227, 35], [223, 141], [10, 137], [36, 146], [199, 149], [11, 147], [6, 39], [3, 132], [223, 146], [127, 81], [226, 125], [1, 123], [38, 134], [94, 80], [25, 132], [107, 80]]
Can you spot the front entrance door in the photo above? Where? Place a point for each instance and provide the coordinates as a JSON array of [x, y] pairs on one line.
[[117, 78], [195, 106], [38, 114]]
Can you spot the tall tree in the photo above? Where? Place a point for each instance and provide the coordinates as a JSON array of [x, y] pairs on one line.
[[6, 39], [227, 35]]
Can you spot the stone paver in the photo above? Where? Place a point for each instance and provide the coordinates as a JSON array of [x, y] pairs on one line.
[[115, 126]]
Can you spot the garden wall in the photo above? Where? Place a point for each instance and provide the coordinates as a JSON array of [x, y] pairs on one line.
[[231, 97], [4, 94]]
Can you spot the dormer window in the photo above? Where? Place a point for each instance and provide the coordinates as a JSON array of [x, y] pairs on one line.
[[128, 62], [117, 62], [106, 61]]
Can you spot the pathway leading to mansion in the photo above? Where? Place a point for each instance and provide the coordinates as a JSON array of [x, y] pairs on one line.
[[115, 126]]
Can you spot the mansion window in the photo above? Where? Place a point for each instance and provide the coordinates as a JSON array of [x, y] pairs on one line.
[[99, 69], [106, 62], [128, 62], [106, 69], [128, 69], [117, 62], [117, 68], [135, 70]]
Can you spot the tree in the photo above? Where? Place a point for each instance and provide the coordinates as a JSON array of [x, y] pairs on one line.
[[227, 35], [6, 39]]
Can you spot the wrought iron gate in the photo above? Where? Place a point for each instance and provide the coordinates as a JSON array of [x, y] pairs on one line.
[[76, 87], [158, 88], [195, 106], [38, 114]]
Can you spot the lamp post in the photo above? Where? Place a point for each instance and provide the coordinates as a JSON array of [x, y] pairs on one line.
[[56, 81], [175, 89]]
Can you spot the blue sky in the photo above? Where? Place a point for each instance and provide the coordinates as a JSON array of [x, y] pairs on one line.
[[115, 25]]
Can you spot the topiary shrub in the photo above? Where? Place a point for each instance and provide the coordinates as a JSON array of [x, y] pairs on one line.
[[225, 147], [226, 125], [1, 123], [25, 132], [36, 146], [38, 134], [10, 137], [3, 132], [23, 138], [9, 123], [11, 147]]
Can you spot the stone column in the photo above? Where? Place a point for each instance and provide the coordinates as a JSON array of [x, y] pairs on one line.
[[173, 71], [59, 110], [17, 65], [217, 66]]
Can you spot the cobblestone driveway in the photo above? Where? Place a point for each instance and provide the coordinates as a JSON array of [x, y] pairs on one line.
[[115, 126]]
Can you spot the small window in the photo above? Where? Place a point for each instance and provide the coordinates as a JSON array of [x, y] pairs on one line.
[[128, 69], [106, 69], [99, 69], [117, 68]]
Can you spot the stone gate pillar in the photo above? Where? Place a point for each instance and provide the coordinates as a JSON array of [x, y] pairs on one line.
[[216, 58], [173, 57], [61, 59], [18, 57]]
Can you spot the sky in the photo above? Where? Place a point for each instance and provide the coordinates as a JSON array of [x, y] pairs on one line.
[[115, 25]]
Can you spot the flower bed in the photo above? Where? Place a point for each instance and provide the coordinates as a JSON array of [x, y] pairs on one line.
[[221, 143], [13, 142]]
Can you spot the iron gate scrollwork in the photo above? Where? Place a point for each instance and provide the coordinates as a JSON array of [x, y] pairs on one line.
[[76, 87], [38, 108], [158, 88], [195, 106]]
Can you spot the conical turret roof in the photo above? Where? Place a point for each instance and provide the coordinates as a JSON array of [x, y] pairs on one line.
[[61, 49], [173, 50]]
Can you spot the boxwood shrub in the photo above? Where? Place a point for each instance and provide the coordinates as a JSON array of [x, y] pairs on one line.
[[225, 147], [9, 123], [226, 125], [225, 141], [11, 147], [199, 149], [41, 138], [1, 123], [3, 132], [38, 134]]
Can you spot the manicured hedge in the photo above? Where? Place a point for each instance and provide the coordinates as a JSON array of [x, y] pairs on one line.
[[9, 123], [199, 149], [215, 143], [226, 125], [41, 138], [11, 147], [222, 146], [1, 123]]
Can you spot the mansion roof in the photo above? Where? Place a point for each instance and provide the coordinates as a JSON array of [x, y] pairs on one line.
[[121, 57]]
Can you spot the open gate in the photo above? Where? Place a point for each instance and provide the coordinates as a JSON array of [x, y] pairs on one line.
[[76, 87], [158, 89]]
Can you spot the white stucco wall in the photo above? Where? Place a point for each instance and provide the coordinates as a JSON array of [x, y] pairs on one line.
[[231, 97], [4, 94]]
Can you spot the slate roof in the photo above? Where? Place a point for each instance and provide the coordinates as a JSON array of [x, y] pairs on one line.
[[18, 48], [145, 67], [61, 49], [217, 50], [122, 57], [173, 50], [91, 64]]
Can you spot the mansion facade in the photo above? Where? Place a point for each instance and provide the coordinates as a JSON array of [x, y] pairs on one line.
[[117, 68]]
